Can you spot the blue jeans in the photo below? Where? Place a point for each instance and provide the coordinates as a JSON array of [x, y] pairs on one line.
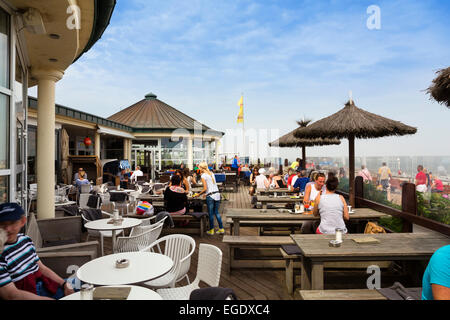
[[213, 210], [43, 292]]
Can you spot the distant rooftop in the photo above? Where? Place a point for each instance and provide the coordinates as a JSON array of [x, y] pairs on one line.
[[151, 115]]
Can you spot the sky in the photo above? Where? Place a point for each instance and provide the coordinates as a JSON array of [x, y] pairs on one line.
[[290, 59]]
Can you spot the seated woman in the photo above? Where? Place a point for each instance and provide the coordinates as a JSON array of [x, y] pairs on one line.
[[82, 180], [278, 179], [331, 208], [184, 181], [175, 199]]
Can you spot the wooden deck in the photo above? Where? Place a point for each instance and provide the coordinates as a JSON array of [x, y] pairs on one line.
[[257, 284]]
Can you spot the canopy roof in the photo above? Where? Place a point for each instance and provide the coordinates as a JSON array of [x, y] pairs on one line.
[[356, 122], [440, 90], [289, 141], [153, 115]]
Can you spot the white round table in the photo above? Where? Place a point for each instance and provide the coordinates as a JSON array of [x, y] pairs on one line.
[[136, 293], [144, 266], [60, 204], [103, 225], [125, 190]]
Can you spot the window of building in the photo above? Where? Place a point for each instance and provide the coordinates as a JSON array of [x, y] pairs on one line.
[[4, 48], [4, 132]]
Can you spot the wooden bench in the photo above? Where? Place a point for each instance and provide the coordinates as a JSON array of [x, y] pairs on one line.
[[349, 294], [195, 226], [293, 263], [263, 225], [255, 251]]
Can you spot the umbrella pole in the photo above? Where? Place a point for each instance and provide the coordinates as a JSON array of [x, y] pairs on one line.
[[304, 156], [351, 180]]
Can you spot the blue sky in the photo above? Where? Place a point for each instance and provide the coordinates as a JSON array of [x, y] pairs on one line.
[[289, 58]]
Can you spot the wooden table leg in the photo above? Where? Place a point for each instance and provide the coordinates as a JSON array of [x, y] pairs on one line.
[[317, 276], [290, 275], [306, 274], [236, 225]]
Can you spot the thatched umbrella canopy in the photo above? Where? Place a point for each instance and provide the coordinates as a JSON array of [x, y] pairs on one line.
[[440, 90], [352, 122], [290, 141]]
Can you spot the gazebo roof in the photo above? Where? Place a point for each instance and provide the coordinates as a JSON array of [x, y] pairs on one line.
[[151, 114], [356, 122]]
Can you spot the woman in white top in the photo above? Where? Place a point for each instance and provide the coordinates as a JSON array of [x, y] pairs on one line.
[[212, 197], [331, 208], [261, 181]]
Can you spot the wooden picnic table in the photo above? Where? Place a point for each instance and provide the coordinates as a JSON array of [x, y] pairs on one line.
[[315, 251], [280, 191], [282, 199], [158, 200], [238, 215]]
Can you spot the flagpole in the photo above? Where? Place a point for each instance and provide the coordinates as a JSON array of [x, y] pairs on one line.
[[243, 128]]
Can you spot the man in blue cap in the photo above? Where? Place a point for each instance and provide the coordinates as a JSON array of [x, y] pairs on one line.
[[22, 275]]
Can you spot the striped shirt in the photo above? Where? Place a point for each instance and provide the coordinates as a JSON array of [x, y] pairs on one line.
[[18, 260]]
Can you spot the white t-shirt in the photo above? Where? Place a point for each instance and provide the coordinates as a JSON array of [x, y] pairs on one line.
[[211, 186], [261, 181], [293, 180], [137, 173]]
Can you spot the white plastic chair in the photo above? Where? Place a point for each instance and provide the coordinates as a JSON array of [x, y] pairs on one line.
[[84, 198], [101, 234], [208, 270], [179, 248], [139, 239]]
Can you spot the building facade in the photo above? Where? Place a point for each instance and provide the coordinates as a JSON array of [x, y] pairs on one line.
[[39, 40]]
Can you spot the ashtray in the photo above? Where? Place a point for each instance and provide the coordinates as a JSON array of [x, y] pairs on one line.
[[122, 263], [263, 210], [335, 243]]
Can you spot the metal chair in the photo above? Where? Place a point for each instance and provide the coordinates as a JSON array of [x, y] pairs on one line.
[[179, 248], [208, 270]]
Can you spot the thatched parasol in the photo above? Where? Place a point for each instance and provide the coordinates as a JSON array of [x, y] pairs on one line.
[[290, 141], [352, 122], [440, 90]]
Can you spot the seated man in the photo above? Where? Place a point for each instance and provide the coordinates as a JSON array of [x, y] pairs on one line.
[[22, 275], [302, 180], [436, 279], [136, 173]]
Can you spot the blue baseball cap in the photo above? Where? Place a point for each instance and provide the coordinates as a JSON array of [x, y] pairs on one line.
[[10, 212]]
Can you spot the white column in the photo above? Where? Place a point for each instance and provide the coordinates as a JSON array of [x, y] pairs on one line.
[[125, 148], [190, 152], [217, 154], [97, 145], [45, 162]]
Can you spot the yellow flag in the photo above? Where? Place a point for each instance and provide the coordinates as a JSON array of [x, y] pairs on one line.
[[240, 118]]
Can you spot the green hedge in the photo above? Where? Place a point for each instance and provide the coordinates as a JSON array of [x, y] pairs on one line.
[[433, 206]]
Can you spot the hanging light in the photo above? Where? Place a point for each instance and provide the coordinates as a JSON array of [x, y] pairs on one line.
[[87, 141]]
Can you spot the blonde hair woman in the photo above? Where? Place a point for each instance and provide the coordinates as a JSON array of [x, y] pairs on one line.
[[212, 197]]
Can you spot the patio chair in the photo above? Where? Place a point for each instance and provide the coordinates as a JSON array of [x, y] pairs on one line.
[[208, 270], [179, 248], [101, 234], [58, 243], [140, 238], [149, 221], [84, 200]]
